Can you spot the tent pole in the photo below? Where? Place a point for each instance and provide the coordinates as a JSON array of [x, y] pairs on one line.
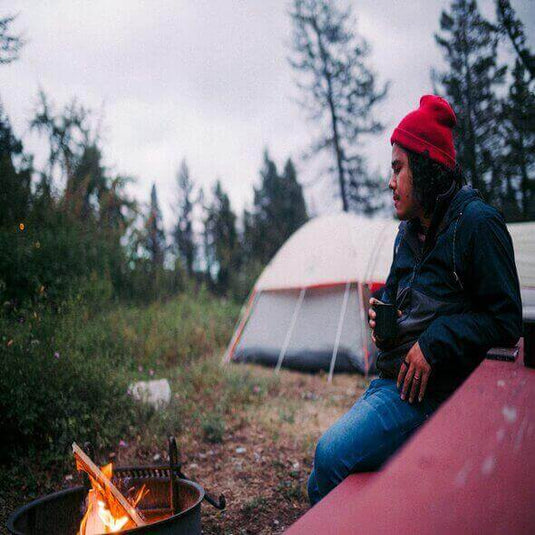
[[339, 331], [290, 330], [240, 324]]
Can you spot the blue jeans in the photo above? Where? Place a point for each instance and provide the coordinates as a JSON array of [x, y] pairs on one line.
[[365, 436]]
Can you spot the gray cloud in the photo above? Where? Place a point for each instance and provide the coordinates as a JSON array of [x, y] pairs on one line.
[[205, 80]]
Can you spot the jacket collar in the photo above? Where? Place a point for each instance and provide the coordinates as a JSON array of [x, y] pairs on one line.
[[449, 206]]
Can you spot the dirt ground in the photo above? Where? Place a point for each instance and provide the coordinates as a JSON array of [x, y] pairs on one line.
[[262, 463], [265, 486]]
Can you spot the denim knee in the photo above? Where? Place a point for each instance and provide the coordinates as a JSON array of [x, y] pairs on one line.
[[312, 489], [323, 457]]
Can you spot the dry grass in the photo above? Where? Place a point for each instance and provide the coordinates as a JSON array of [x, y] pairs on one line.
[[242, 431], [264, 457]]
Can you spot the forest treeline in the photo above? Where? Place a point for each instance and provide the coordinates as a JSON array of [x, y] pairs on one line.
[[71, 225], [52, 240]]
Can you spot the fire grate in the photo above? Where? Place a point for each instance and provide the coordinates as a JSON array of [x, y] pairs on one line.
[[172, 505]]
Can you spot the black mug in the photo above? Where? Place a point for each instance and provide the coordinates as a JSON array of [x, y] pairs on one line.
[[386, 325]]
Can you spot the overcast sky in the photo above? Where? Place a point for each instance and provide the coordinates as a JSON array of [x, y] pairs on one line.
[[206, 80]]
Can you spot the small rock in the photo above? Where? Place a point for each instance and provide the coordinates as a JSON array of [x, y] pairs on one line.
[[276, 522], [68, 477], [157, 457], [240, 450], [295, 465], [156, 393], [194, 465]]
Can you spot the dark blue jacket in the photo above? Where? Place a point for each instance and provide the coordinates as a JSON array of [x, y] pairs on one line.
[[458, 292]]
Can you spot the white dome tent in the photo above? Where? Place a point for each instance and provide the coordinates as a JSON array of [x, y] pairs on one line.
[[308, 308]]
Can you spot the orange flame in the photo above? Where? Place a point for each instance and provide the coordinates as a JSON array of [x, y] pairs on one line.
[[102, 514]]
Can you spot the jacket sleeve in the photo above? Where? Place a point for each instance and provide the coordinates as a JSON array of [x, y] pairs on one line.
[[491, 281]]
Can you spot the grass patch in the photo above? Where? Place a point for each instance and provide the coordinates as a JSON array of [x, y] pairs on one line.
[[213, 428], [64, 376]]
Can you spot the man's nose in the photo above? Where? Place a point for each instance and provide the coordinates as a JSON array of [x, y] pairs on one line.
[[392, 183]]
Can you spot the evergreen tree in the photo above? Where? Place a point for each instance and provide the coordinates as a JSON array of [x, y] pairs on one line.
[[247, 237], [222, 239], [70, 142], [510, 25], [279, 210], [519, 153], [15, 192], [89, 182], [10, 44], [339, 90], [155, 235], [294, 212], [183, 234], [469, 44]]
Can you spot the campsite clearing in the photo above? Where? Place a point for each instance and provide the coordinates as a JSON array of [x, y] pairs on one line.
[[265, 486], [244, 432]]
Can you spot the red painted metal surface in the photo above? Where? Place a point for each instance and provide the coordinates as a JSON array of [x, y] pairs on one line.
[[470, 469]]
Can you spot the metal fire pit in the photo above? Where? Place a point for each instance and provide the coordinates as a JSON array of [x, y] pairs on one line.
[[172, 505]]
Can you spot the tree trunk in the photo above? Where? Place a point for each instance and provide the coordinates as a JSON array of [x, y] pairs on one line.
[[334, 120]]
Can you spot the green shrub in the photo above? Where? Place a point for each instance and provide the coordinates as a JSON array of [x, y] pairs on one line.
[[213, 428], [52, 395], [64, 374]]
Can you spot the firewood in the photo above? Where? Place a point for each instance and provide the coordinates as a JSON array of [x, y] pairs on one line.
[[83, 462]]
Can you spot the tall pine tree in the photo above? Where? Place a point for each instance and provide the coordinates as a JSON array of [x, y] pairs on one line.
[[155, 235], [15, 191], [222, 240], [519, 157], [512, 27], [279, 210], [10, 44], [183, 233], [339, 91], [469, 44]]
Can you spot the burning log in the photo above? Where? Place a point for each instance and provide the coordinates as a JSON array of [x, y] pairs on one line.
[[106, 504]]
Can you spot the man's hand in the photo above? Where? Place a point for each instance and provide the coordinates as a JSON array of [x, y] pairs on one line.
[[371, 318], [414, 374]]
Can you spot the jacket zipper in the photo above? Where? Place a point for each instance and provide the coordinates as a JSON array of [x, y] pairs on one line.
[[420, 258]]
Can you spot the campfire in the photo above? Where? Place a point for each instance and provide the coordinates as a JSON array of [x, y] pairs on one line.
[[108, 511], [136, 499]]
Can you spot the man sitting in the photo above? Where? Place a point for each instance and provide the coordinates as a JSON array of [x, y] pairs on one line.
[[453, 279]]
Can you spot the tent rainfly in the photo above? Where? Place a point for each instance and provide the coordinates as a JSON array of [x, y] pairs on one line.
[[308, 308]]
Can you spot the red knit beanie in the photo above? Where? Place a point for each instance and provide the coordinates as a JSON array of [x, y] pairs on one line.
[[429, 128]]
